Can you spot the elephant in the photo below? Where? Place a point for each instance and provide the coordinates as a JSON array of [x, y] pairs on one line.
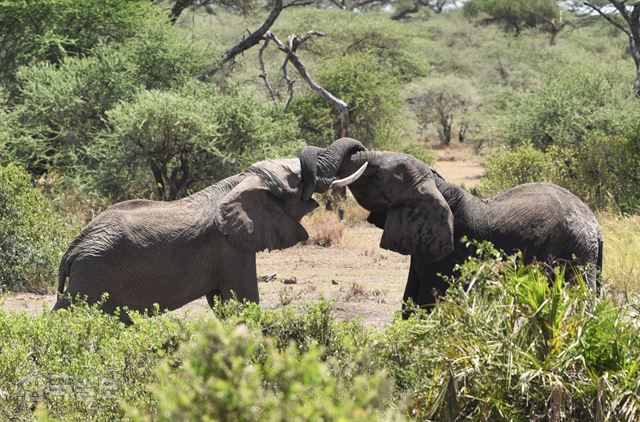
[[144, 252], [424, 216]]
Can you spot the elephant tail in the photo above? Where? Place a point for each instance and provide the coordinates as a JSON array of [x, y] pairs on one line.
[[599, 264], [63, 272]]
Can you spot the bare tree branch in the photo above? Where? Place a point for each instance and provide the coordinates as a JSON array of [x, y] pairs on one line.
[[293, 42], [253, 39], [263, 69]]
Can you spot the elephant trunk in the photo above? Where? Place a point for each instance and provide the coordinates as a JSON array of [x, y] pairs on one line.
[[320, 166]]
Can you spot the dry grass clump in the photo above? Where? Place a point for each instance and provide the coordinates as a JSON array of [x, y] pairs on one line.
[[324, 229], [356, 292], [621, 265]]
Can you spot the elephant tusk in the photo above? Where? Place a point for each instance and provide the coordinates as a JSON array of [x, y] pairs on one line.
[[349, 179]]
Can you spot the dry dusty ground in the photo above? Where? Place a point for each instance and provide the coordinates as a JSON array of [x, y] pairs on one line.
[[363, 280], [457, 164]]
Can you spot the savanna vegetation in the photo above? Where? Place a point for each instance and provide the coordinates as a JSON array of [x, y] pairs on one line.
[[102, 101]]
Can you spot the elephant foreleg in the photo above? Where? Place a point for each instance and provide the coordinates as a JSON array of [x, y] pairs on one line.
[[240, 279], [424, 284]]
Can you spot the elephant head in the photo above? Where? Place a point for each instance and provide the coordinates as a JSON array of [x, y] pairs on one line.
[[402, 195], [263, 211]]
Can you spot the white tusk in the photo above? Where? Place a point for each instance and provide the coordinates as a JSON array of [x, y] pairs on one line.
[[349, 179]]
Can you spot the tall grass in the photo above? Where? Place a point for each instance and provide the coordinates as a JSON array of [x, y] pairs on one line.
[[621, 265]]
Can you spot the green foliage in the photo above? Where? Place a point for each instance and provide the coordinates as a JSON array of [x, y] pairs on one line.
[[80, 363], [509, 168], [169, 144], [64, 107], [370, 93], [50, 30], [568, 107], [514, 14], [33, 235], [509, 343], [232, 373], [604, 171]]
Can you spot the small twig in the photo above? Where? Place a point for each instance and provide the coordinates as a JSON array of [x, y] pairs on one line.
[[264, 75]]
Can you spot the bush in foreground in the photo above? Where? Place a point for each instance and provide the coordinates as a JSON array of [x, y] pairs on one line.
[[509, 342]]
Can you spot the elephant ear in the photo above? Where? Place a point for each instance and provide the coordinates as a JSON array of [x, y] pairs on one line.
[[420, 225], [253, 219]]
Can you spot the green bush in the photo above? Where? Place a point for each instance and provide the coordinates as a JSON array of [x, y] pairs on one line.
[[63, 107], [232, 373], [569, 106], [510, 343], [370, 93], [80, 364], [50, 30], [169, 144], [604, 172], [509, 168], [33, 235]]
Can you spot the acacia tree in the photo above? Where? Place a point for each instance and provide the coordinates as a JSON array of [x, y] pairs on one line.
[[625, 16]]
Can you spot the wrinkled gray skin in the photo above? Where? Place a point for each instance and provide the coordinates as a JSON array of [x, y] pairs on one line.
[[424, 216], [144, 252]]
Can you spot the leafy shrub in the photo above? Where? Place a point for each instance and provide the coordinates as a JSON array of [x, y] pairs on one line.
[[510, 168], [231, 373], [80, 363], [51, 30], [169, 144], [33, 235], [63, 107], [569, 106], [604, 172], [372, 97], [508, 343]]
